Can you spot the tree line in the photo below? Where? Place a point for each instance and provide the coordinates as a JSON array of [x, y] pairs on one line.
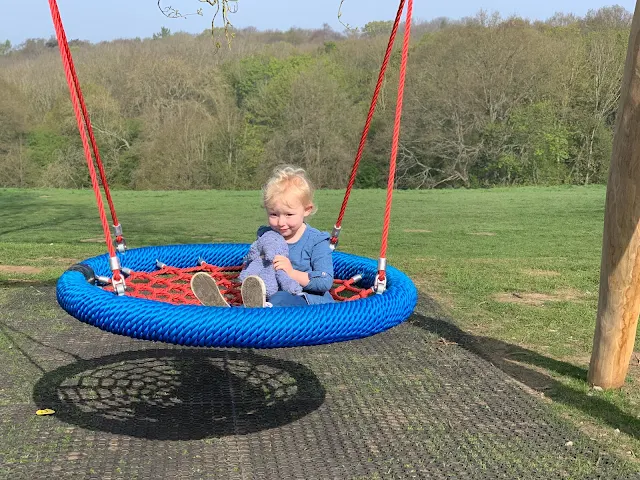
[[488, 101]]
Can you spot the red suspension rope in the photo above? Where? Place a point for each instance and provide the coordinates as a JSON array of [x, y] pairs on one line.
[[394, 146], [62, 41], [84, 124], [367, 125], [380, 284], [87, 121]]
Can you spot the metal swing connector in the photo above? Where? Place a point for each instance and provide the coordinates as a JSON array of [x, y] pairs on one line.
[[119, 286], [120, 244], [102, 280], [333, 244], [380, 284], [126, 271]]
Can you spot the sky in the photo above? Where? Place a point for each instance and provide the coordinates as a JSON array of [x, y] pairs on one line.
[[99, 20]]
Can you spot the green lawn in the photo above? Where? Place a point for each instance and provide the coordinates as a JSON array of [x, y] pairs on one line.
[[516, 268]]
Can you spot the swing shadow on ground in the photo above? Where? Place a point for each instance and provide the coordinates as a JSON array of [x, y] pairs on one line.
[[524, 366], [180, 394], [147, 392]]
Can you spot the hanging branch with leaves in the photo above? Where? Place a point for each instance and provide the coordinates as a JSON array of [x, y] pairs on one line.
[[346, 25]]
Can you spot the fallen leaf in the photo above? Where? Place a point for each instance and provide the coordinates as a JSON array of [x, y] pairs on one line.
[[45, 411]]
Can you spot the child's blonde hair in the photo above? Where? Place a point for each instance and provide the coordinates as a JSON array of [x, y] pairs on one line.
[[288, 180]]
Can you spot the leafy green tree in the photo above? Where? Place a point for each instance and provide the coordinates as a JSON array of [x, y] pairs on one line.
[[163, 33], [320, 125], [487, 102], [613, 17], [472, 78], [373, 29], [605, 52], [541, 142], [255, 74], [5, 47], [16, 169]]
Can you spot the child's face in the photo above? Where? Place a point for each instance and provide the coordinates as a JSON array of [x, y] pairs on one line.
[[286, 215]]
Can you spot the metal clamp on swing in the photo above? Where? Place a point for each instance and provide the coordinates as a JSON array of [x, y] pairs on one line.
[[119, 286], [380, 284], [102, 280], [120, 244], [126, 271], [333, 243]]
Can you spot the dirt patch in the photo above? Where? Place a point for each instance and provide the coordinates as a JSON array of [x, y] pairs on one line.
[[44, 196], [93, 240], [19, 269], [538, 299], [407, 230], [541, 273], [483, 234]]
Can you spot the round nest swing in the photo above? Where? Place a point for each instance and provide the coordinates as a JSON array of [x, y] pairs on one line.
[[197, 325], [156, 303]]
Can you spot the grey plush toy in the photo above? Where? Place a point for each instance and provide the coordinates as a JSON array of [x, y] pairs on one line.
[[259, 261]]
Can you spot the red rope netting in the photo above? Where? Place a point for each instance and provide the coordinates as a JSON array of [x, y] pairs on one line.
[[173, 285]]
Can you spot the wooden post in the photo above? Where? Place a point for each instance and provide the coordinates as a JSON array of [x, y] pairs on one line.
[[619, 299]]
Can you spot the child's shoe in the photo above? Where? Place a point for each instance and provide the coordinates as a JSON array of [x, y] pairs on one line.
[[253, 292], [206, 290]]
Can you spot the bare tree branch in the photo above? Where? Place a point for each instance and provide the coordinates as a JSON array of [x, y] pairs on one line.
[[227, 6]]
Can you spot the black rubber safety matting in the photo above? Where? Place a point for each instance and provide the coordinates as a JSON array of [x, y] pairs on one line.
[[417, 401]]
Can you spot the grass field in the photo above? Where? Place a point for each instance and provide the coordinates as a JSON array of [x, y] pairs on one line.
[[517, 269]]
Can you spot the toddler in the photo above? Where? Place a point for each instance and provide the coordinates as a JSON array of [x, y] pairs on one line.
[[288, 200]]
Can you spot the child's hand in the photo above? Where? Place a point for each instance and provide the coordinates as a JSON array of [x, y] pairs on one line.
[[280, 262]]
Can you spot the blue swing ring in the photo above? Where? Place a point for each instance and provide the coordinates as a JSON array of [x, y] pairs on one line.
[[196, 325]]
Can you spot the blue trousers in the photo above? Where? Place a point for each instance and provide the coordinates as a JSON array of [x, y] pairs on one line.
[[286, 299]]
